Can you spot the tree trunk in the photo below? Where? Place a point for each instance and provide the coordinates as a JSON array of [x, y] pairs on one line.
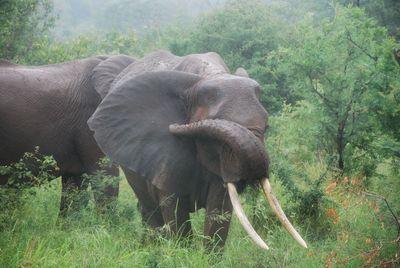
[[340, 139], [340, 146]]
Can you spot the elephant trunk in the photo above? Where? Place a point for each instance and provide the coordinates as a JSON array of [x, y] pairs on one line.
[[242, 156], [239, 144], [242, 145]]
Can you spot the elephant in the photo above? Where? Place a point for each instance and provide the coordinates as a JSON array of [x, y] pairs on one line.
[[48, 106], [187, 133]]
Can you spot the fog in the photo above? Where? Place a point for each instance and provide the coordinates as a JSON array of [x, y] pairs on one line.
[[77, 17]]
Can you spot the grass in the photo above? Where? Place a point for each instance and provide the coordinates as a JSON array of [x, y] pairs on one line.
[[358, 232]]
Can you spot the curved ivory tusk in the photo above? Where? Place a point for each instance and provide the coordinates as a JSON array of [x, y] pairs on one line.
[[242, 217], [273, 202]]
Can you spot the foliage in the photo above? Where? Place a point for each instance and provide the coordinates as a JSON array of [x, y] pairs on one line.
[[359, 227], [22, 24], [238, 32], [33, 169], [101, 179], [300, 163], [46, 51], [337, 68], [386, 12]]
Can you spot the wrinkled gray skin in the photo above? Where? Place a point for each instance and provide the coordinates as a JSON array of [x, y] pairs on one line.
[[176, 171], [133, 106], [48, 106]]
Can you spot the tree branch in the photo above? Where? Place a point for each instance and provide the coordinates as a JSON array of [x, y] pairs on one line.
[[374, 58], [390, 209], [324, 98]]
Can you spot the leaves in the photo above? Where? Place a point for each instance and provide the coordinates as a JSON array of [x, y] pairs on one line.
[[23, 23], [338, 67]]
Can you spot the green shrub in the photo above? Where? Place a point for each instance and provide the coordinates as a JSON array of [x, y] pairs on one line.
[[31, 171]]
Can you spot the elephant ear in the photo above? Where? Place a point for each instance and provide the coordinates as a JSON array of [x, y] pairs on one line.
[[241, 72], [131, 126], [104, 74]]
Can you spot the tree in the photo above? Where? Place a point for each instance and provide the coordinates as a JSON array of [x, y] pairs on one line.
[[386, 12], [22, 24], [239, 31], [343, 67]]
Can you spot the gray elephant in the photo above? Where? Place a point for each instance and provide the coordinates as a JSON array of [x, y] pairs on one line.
[[48, 106], [187, 134]]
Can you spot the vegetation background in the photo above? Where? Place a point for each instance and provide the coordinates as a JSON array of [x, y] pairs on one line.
[[330, 79]]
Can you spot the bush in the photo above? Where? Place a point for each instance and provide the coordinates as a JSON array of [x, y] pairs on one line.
[[31, 171]]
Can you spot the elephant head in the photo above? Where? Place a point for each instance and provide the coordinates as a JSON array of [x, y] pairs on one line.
[[169, 125]]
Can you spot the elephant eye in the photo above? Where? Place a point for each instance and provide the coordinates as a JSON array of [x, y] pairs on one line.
[[208, 96]]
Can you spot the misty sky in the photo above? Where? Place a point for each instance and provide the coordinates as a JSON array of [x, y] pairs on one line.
[[81, 16]]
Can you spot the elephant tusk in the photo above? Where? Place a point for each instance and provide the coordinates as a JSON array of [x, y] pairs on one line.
[[273, 202], [242, 216]]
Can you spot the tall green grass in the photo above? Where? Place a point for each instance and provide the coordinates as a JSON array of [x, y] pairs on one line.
[[358, 232]]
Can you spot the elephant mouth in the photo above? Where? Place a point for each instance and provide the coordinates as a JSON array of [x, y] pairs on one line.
[[242, 155], [248, 154]]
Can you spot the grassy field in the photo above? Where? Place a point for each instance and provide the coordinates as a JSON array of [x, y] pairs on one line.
[[357, 231]]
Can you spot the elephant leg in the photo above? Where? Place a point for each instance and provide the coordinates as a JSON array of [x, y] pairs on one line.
[[218, 216], [104, 187], [148, 204], [73, 193], [106, 192], [175, 212]]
